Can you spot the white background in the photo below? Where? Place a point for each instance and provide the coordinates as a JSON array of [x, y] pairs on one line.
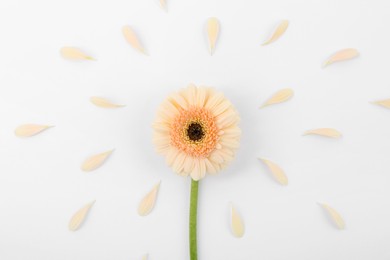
[[41, 184]]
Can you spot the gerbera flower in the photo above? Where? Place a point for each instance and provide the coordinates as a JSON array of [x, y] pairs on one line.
[[196, 130]]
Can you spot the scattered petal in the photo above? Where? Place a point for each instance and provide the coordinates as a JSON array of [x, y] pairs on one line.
[[384, 103], [79, 216], [279, 97], [327, 132], [237, 224], [132, 39], [341, 55], [102, 102], [95, 161], [28, 130], [334, 215], [276, 171], [163, 4], [147, 203], [282, 27], [212, 33], [73, 53]]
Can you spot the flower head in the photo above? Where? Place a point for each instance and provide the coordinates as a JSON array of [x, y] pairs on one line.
[[196, 129]]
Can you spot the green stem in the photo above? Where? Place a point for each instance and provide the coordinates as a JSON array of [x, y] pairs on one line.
[[193, 219]]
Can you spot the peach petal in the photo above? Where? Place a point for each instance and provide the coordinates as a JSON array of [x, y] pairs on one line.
[[199, 170], [216, 157], [228, 121], [230, 144], [161, 127], [214, 101], [178, 101], [178, 164], [201, 97], [227, 157], [170, 108], [222, 107], [171, 156], [190, 93], [209, 166], [202, 165], [188, 164], [232, 131], [195, 173]]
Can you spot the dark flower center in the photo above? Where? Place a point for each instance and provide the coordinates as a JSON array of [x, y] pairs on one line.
[[195, 132]]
